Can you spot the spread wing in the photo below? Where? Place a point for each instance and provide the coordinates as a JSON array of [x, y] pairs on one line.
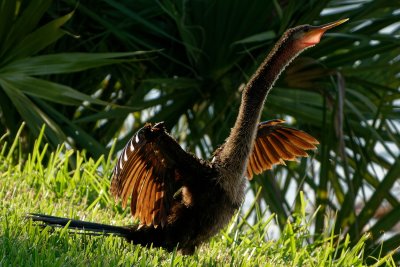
[[147, 172], [275, 143]]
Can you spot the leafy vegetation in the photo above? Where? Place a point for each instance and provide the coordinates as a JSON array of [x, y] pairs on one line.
[[344, 91], [52, 188], [27, 92]]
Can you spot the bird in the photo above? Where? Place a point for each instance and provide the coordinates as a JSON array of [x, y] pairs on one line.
[[181, 201]]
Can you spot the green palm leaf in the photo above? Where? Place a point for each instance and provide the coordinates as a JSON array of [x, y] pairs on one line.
[[24, 73]]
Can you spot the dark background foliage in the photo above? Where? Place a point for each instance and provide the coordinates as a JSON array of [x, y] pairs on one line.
[[93, 71]]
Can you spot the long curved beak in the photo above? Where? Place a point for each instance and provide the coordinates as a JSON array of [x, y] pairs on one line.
[[315, 32]]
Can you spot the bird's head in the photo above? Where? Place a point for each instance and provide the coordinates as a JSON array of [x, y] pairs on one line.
[[305, 36]]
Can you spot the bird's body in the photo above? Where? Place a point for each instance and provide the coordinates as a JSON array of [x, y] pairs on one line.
[[182, 201], [196, 206]]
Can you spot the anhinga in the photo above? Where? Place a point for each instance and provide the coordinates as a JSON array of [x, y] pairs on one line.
[[182, 201]]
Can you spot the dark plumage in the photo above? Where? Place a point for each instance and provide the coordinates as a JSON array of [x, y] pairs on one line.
[[181, 200]]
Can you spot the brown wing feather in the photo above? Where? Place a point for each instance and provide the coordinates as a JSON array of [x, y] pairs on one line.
[[142, 208], [271, 152], [274, 144], [258, 160], [298, 138], [147, 175], [141, 174], [149, 204], [130, 187], [254, 165], [282, 152], [266, 162], [290, 147]]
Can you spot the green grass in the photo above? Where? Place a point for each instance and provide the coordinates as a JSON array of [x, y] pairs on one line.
[[82, 192]]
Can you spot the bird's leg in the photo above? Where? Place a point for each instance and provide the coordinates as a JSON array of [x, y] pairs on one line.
[[188, 250]]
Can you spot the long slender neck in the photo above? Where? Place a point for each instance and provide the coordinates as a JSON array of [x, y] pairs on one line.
[[236, 150]]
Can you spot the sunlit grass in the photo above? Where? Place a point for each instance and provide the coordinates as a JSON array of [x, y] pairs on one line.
[[53, 187]]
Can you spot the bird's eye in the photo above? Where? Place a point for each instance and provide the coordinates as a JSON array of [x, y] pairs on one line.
[[306, 29]]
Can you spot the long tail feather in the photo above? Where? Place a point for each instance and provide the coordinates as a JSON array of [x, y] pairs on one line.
[[136, 235], [77, 225]]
